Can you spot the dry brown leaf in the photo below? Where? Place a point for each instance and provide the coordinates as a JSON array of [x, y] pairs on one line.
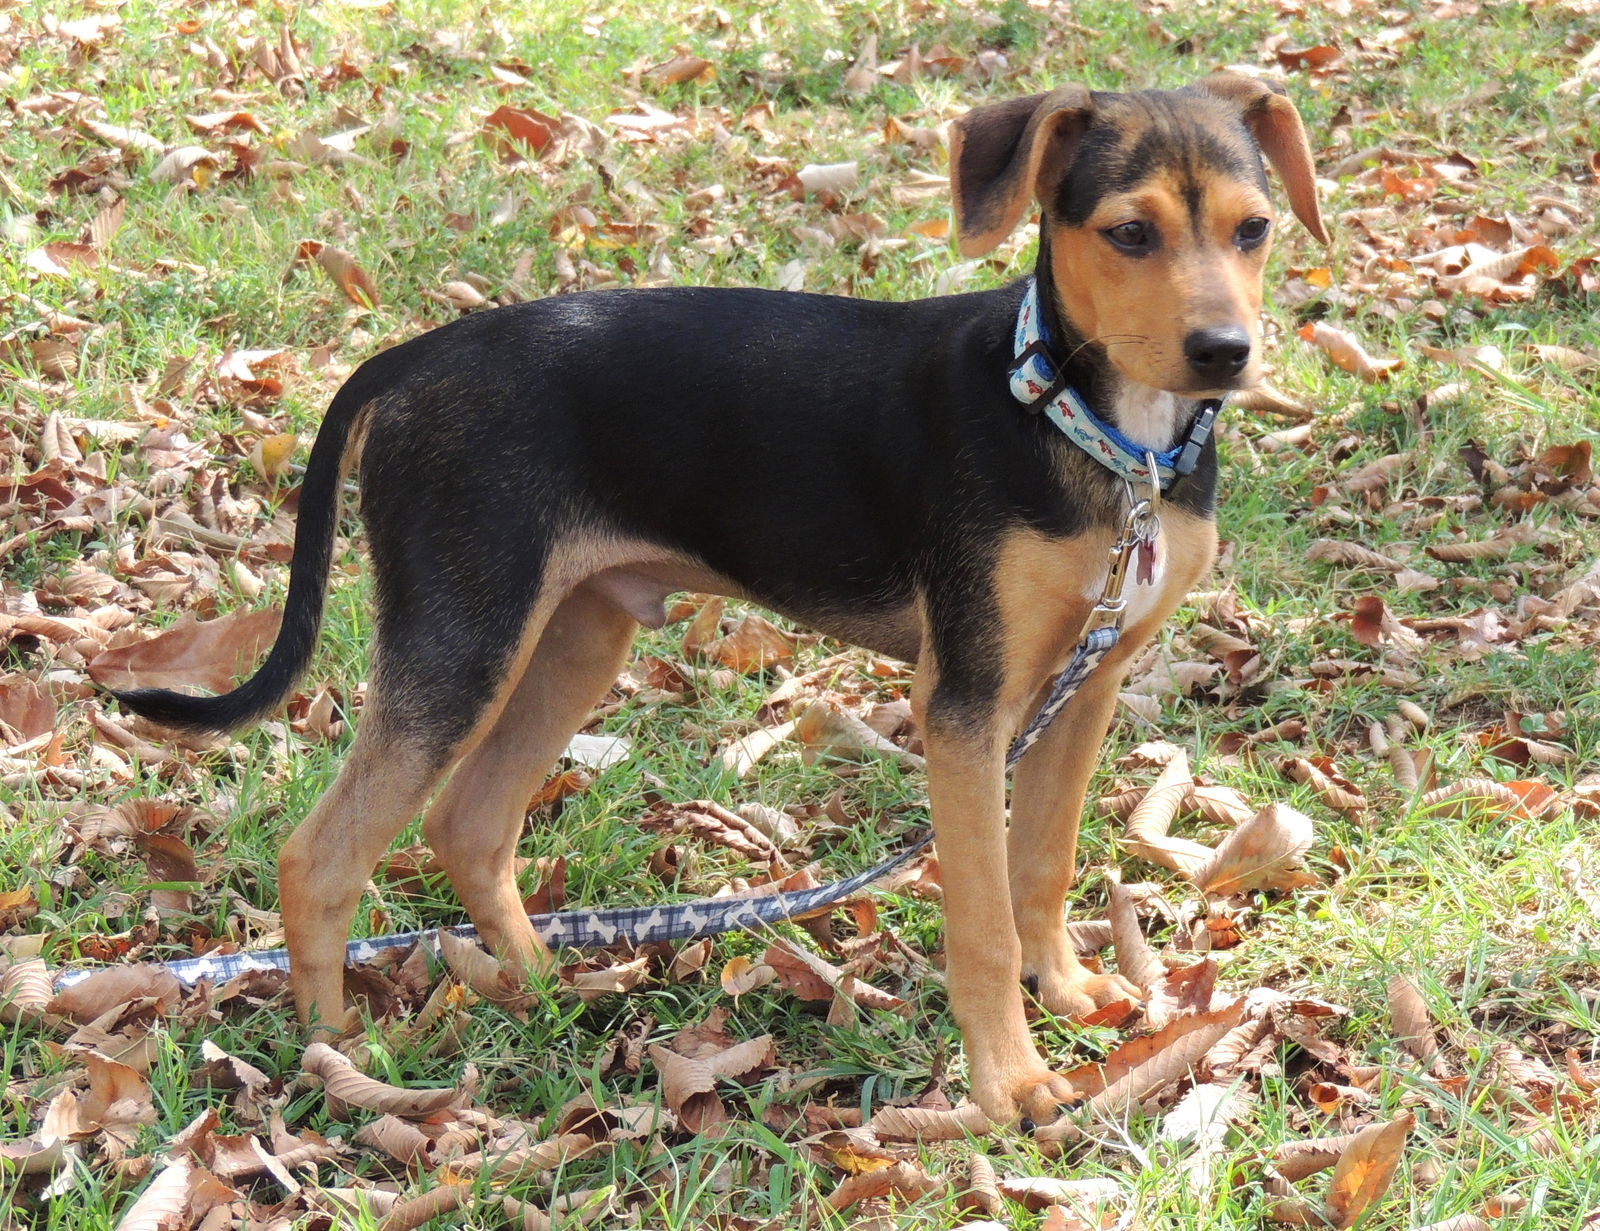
[[1172, 1054], [1263, 853], [689, 960], [1152, 1057], [353, 282], [90, 998], [221, 1071], [1497, 547], [191, 653], [982, 1193], [345, 1087], [523, 1161], [829, 178], [1489, 357], [1567, 358], [413, 1212], [1481, 276], [1083, 1196], [483, 972], [828, 729], [462, 296], [573, 1209], [180, 1195], [854, 1149], [1341, 346], [117, 1103], [400, 1139], [710, 821], [212, 121], [1136, 960], [1222, 805], [755, 645], [611, 980], [128, 139], [905, 1179], [929, 1124], [1461, 1222], [688, 1087], [516, 128], [1145, 834], [741, 975], [1339, 795], [25, 992], [29, 1156], [812, 978], [680, 69], [744, 1060], [1484, 796], [271, 455], [188, 164], [1266, 399], [1363, 1172], [1180, 991], [1409, 1021], [1294, 1160], [1294, 1212], [862, 75]]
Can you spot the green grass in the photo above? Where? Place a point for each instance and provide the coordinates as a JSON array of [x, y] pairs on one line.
[[1479, 913]]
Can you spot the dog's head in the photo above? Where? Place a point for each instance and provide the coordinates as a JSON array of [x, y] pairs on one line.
[[1155, 215]]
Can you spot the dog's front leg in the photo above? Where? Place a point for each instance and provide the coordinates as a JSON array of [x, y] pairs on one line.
[[1047, 795], [983, 959]]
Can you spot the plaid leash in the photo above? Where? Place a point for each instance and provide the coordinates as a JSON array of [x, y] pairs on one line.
[[637, 925]]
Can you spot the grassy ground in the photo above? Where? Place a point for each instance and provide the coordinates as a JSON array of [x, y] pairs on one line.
[[1473, 111]]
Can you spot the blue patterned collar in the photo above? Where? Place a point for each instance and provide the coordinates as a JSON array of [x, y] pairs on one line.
[[1038, 382]]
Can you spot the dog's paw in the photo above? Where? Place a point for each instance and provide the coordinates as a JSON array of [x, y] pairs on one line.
[[1025, 1092], [1075, 991]]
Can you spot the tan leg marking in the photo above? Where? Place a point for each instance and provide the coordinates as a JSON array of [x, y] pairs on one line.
[[1049, 784], [328, 859], [474, 824], [966, 791]]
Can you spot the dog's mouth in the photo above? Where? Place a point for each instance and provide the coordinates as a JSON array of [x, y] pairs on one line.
[[1215, 391]]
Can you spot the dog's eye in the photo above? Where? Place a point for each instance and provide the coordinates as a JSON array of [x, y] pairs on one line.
[[1252, 231], [1132, 236]]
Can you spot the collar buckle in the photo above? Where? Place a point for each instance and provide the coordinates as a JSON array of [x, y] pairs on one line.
[[1033, 362], [1199, 433]]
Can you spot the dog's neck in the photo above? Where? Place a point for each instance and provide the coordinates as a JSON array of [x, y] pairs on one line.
[[1149, 417]]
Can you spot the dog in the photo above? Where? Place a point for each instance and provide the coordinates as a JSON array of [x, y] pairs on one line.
[[536, 479]]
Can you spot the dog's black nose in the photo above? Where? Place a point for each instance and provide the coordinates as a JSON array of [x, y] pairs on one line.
[[1217, 355]]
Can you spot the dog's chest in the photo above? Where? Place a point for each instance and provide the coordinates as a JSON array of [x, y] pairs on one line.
[[1142, 588]]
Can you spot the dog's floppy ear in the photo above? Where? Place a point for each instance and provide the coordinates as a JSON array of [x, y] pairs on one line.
[[1276, 126], [1000, 153]]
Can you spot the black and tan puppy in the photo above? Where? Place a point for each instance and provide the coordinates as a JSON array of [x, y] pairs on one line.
[[860, 467]]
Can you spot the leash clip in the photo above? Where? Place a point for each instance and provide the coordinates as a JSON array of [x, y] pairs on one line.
[[1140, 526]]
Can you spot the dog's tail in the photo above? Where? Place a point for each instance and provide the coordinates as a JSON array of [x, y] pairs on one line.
[[315, 529]]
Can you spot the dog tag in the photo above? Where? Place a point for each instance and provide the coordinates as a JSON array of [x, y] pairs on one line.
[[1144, 571]]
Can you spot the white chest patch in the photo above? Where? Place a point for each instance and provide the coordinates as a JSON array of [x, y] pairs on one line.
[[1147, 416]]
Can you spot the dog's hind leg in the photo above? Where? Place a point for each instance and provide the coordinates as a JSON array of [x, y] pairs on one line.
[[440, 681], [327, 861], [474, 825]]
